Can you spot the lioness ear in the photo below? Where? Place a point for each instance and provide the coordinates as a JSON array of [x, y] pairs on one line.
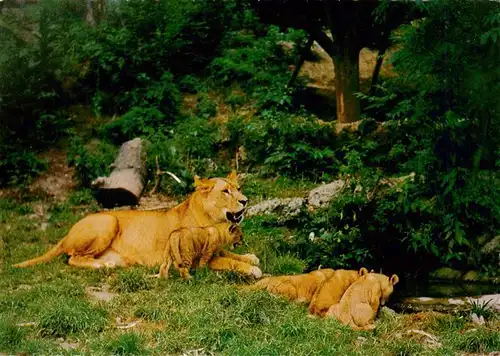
[[233, 176], [363, 271], [394, 279], [202, 184]]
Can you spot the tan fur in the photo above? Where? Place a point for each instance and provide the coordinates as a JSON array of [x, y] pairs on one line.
[[196, 246], [130, 237], [333, 289], [299, 288], [360, 303]]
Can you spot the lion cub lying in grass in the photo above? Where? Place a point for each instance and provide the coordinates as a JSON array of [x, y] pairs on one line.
[[332, 290], [195, 246], [298, 288], [360, 303]]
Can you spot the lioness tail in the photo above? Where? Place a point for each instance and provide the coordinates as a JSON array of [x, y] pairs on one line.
[[49, 255]]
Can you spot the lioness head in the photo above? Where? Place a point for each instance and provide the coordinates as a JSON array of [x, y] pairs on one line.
[[222, 198]]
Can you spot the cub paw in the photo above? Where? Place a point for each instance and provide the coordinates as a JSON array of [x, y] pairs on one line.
[[255, 272], [252, 259]]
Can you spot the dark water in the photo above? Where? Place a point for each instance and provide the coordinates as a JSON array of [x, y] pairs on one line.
[[440, 289]]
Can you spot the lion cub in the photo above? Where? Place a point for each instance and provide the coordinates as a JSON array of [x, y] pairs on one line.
[[196, 246], [333, 289], [299, 288], [359, 305]]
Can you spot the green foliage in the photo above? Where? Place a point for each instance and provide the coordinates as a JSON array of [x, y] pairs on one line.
[[69, 316], [137, 122], [292, 145], [132, 54], [131, 280], [483, 309], [90, 160], [18, 165], [259, 64], [126, 344]]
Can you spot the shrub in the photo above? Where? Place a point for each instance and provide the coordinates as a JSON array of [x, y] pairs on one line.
[[287, 144], [91, 160], [19, 165], [137, 122]]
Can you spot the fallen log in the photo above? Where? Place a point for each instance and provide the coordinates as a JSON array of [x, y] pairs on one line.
[[127, 180]]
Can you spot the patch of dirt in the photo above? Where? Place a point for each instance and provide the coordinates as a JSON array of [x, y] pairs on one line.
[[57, 182], [100, 293]]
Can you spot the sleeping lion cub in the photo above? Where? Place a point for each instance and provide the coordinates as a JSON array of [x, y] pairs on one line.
[[299, 288], [196, 246], [359, 305], [333, 289]]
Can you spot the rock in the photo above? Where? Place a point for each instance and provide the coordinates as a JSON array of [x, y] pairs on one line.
[[446, 305], [386, 313], [321, 196], [492, 247], [100, 293], [446, 273], [477, 320], [286, 208]]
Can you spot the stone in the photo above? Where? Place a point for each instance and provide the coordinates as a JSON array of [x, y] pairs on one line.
[[286, 208], [446, 273], [321, 196], [492, 247], [472, 276]]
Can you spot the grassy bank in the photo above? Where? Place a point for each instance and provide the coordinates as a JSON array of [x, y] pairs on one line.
[[54, 308]]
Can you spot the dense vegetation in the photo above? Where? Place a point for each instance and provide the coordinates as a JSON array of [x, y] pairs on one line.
[[202, 80]]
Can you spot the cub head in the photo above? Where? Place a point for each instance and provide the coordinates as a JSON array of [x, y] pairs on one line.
[[386, 285], [236, 235], [221, 198]]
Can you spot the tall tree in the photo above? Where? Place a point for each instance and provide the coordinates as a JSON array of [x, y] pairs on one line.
[[354, 25]]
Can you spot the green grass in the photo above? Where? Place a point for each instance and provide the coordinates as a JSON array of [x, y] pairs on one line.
[[212, 312]]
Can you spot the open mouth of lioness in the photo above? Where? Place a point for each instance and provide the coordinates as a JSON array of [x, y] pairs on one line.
[[235, 218]]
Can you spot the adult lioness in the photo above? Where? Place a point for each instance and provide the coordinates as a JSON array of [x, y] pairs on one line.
[[124, 238]]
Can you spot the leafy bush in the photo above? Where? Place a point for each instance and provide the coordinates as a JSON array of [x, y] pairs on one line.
[[284, 143], [137, 122], [259, 64], [132, 54], [91, 160], [19, 165]]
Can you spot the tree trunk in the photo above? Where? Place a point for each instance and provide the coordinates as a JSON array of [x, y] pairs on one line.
[[347, 82], [126, 182], [376, 70], [302, 57], [89, 14]]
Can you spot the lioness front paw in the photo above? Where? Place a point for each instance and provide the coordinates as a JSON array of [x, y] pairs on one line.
[[252, 259], [110, 264], [255, 272]]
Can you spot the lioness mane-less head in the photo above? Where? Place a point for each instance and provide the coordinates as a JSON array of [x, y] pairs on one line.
[[222, 198]]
